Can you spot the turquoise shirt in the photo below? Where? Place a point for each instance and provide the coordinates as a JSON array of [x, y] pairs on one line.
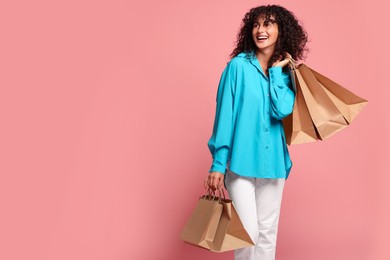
[[248, 132]]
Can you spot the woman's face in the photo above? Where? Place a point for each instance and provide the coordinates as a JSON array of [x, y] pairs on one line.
[[265, 33]]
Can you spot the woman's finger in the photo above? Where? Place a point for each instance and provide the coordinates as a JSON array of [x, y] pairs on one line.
[[214, 182], [283, 62], [210, 181]]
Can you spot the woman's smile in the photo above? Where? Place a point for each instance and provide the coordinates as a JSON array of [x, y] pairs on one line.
[[265, 32], [262, 38]]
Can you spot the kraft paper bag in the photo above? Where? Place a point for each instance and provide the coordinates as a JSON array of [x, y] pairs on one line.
[[230, 234], [214, 225], [326, 117], [347, 102], [298, 126], [330, 107], [202, 225]]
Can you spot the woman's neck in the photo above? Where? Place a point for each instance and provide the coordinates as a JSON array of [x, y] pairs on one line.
[[263, 56]]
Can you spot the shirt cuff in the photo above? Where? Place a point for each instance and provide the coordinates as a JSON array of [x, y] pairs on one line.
[[276, 75], [220, 161]]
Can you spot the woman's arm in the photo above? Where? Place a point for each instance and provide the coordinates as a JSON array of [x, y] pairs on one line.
[[282, 95], [220, 141]]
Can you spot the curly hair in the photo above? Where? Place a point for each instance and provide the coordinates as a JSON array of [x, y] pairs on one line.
[[292, 37]]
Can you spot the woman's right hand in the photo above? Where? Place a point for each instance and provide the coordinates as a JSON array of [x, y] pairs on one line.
[[214, 180], [287, 61]]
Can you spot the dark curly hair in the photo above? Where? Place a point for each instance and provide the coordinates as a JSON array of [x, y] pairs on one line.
[[292, 37]]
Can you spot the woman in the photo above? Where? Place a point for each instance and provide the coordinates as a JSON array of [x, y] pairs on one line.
[[248, 144]]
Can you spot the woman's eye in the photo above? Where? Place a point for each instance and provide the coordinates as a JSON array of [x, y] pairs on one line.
[[269, 23]]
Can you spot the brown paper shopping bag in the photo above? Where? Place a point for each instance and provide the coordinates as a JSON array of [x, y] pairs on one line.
[[330, 106], [325, 115], [215, 225], [347, 102], [298, 126], [202, 225], [230, 234]]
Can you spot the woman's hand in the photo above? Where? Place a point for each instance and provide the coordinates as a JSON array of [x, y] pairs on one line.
[[287, 60], [214, 180]]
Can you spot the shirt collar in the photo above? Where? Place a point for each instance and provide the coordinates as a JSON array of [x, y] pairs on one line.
[[251, 56]]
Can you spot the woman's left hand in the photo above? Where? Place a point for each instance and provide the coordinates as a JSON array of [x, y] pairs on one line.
[[282, 63], [214, 180]]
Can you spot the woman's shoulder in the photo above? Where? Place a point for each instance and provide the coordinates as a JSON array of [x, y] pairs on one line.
[[242, 59]]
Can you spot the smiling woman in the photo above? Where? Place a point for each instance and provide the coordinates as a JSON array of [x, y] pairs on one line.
[[265, 35], [248, 145], [291, 37]]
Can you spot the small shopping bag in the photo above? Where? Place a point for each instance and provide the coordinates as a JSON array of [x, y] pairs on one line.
[[214, 225], [202, 225], [230, 234]]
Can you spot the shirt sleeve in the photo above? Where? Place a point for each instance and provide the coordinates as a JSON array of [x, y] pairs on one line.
[[282, 95], [220, 141]]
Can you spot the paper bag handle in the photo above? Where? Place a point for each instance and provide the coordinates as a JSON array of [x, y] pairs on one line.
[[213, 194], [293, 63]]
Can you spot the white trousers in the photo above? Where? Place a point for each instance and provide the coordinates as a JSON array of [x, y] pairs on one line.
[[257, 202]]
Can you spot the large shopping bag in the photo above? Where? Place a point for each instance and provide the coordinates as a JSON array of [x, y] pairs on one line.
[[331, 107], [326, 117], [347, 102], [298, 126], [215, 225]]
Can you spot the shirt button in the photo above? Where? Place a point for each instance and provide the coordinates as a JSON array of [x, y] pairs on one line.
[[266, 147], [266, 129]]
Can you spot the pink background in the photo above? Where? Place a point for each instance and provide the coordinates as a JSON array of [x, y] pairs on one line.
[[106, 108]]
